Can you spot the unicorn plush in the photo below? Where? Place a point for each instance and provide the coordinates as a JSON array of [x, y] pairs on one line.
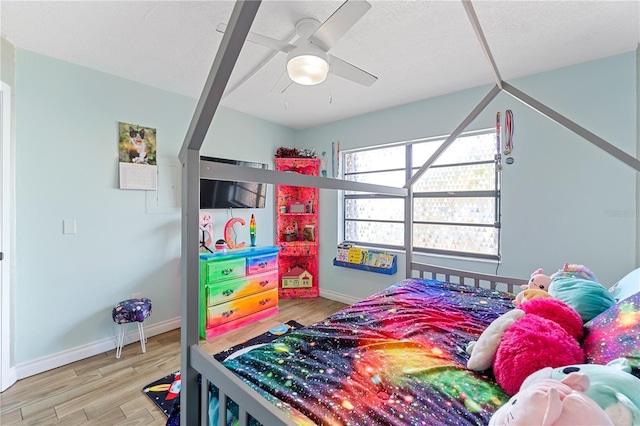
[[579, 288], [574, 271]]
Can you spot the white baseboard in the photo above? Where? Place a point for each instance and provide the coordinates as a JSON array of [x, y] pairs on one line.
[[339, 297], [50, 362], [8, 379]]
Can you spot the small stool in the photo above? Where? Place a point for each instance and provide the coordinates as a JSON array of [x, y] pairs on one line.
[[128, 311]]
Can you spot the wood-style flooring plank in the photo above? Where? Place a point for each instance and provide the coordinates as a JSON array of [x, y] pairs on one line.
[[104, 413], [73, 394], [37, 395], [78, 418], [110, 393], [104, 390], [10, 417], [137, 403]]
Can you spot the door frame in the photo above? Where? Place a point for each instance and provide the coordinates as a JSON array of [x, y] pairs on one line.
[[7, 373]]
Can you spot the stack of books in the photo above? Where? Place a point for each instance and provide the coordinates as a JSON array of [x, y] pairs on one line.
[[363, 256]]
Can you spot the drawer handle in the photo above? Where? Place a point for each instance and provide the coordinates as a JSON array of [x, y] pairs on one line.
[[228, 313], [263, 264], [227, 271], [263, 283], [228, 292], [264, 301]]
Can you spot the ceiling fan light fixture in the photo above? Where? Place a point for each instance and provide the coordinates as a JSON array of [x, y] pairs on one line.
[[307, 66]]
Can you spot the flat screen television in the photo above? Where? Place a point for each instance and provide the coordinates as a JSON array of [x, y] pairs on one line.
[[219, 194]]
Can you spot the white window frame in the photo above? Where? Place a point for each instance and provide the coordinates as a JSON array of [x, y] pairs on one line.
[[409, 169]]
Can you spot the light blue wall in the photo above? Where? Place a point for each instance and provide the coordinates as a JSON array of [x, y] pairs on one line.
[[558, 196], [66, 165]]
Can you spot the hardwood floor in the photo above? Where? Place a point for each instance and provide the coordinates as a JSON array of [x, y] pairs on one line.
[[103, 390]]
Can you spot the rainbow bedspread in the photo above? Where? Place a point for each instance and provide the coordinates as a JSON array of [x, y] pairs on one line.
[[395, 358]]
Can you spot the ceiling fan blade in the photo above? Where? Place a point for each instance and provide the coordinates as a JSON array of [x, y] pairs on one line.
[[269, 42], [350, 72], [339, 23], [282, 84]]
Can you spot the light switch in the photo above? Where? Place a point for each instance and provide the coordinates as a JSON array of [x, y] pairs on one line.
[[69, 226]]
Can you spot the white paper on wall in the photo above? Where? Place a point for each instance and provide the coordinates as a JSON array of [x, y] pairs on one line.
[[138, 176]]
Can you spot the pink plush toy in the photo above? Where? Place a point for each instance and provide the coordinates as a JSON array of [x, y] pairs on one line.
[[538, 281], [539, 333], [206, 227], [552, 403]]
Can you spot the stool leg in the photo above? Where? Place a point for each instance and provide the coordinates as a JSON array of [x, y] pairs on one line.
[[142, 339], [121, 333]]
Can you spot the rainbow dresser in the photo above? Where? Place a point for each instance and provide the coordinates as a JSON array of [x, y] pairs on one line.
[[237, 287]]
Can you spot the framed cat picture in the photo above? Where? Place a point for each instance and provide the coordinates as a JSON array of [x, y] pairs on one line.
[[137, 144]]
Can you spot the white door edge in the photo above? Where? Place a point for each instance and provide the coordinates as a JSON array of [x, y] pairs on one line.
[[7, 373]]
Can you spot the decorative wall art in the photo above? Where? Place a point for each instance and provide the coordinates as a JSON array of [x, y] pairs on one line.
[[137, 157]]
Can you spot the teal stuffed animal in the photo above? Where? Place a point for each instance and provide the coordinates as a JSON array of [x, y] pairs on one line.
[[612, 387], [579, 288]]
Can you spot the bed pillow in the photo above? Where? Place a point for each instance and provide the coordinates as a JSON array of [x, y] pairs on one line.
[[627, 286], [615, 333]]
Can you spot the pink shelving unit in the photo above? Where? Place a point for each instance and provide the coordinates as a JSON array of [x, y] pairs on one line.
[[297, 231]]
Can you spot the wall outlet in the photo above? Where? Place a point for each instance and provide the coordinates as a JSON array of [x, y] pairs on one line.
[[136, 295], [69, 226]]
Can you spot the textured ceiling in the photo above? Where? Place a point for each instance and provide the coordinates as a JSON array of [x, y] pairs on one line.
[[417, 49]]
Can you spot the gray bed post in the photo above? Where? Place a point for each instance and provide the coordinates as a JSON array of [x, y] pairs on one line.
[[190, 284], [240, 22]]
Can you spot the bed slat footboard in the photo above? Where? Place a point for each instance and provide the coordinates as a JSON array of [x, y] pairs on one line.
[[231, 386], [495, 282]]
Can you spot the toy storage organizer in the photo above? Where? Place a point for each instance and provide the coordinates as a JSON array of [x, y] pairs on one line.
[[297, 231]]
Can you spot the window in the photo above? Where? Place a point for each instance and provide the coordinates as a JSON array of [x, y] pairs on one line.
[[456, 202]]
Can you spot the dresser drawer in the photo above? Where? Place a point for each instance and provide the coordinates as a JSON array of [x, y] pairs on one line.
[[258, 264], [238, 308], [229, 290], [224, 270]]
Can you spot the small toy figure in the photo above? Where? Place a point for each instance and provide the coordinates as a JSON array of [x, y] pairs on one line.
[[206, 228], [538, 282], [221, 244]]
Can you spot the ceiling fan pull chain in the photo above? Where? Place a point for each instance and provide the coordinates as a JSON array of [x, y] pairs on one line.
[[286, 103]]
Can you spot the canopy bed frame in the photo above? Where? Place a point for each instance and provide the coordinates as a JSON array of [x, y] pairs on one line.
[[196, 361]]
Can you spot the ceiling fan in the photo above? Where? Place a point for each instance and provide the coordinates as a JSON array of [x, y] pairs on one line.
[[308, 60]]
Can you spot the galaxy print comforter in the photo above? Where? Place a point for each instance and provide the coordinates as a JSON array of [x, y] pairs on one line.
[[395, 358]]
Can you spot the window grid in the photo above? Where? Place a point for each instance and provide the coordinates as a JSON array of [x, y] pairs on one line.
[[456, 202]]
